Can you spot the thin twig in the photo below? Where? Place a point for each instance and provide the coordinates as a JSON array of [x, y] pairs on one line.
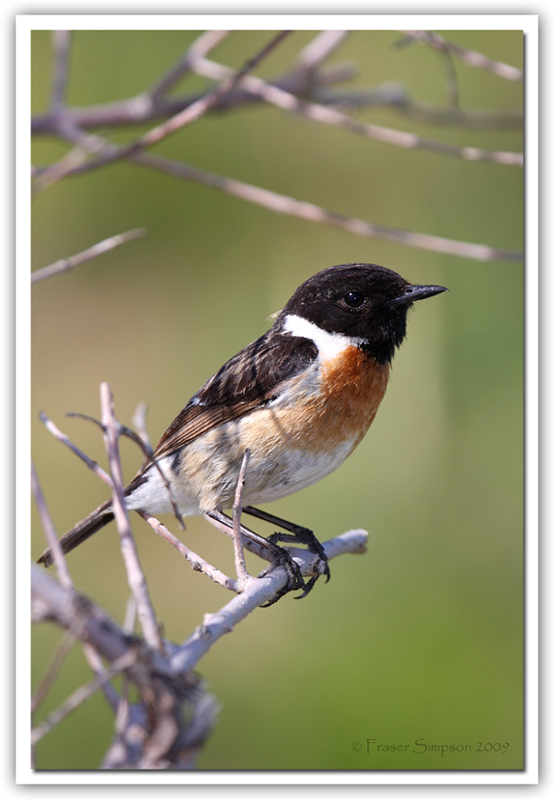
[[141, 110], [96, 665], [469, 57], [252, 547], [282, 204], [240, 563], [197, 562], [200, 47], [61, 41], [50, 531], [135, 575], [139, 421], [62, 437], [79, 697], [147, 452], [53, 670], [124, 430], [188, 115], [66, 264], [130, 615], [319, 49]]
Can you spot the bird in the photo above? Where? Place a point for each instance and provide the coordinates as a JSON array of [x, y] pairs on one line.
[[300, 398]]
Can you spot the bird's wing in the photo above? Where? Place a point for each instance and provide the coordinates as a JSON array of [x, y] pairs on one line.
[[251, 378]]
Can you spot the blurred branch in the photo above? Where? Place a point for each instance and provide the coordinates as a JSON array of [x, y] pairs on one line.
[[328, 116], [307, 79], [318, 50], [61, 41], [78, 697], [66, 264], [199, 48], [281, 204], [469, 57], [396, 97], [50, 531], [284, 100], [175, 123]]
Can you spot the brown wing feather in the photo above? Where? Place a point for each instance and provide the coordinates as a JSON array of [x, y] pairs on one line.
[[253, 376]]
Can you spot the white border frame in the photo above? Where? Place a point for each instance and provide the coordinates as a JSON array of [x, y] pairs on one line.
[[24, 25]]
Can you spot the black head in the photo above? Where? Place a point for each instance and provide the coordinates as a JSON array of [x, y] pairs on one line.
[[364, 301]]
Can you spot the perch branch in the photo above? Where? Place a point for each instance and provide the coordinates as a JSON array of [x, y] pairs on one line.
[[257, 592]]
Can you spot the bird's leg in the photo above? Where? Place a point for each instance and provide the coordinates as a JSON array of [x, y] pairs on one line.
[[297, 535], [277, 555]]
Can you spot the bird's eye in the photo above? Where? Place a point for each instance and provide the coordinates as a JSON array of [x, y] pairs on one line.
[[354, 299]]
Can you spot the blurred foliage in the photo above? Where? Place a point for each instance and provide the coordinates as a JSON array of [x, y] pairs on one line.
[[421, 638]]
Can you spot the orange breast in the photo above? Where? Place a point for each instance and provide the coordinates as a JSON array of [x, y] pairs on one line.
[[352, 387]]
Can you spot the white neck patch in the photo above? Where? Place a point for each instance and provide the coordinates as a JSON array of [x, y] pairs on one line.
[[328, 344]]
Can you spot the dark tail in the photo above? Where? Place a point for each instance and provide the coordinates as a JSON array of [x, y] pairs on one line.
[[85, 528]]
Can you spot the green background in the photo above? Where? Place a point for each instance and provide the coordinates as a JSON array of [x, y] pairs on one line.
[[420, 638]]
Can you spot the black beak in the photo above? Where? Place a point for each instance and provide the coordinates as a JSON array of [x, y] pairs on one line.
[[412, 293]]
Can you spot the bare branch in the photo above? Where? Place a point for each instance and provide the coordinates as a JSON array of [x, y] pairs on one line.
[[186, 117], [396, 97], [124, 430], [96, 665], [62, 437], [198, 564], [257, 592], [175, 714], [79, 697], [469, 57], [198, 109], [329, 116], [319, 49], [61, 42], [392, 95], [52, 672], [66, 264], [141, 109], [282, 204], [199, 48], [135, 575], [139, 421], [50, 531]]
